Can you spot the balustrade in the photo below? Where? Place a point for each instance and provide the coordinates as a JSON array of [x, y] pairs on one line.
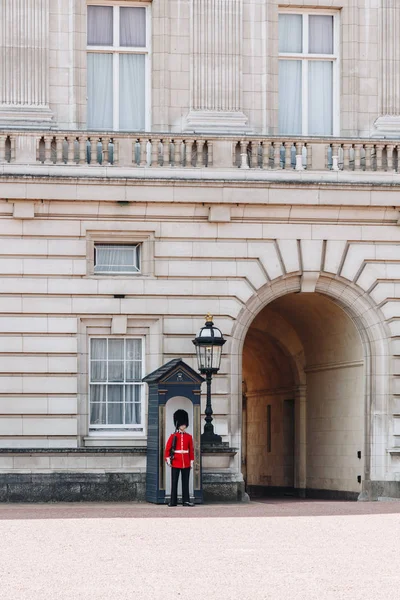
[[152, 151]]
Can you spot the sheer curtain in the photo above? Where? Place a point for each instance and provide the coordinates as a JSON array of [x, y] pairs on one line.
[[100, 91], [320, 98], [290, 33], [100, 26], [132, 92], [320, 76], [110, 258], [320, 31], [113, 364], [290, 97], [132, 27], [98, 377], [290, 74]]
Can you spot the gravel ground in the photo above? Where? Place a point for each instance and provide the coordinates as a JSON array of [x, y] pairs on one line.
[[264, 550]]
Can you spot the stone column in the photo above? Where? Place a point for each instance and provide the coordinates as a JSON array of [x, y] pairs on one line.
[[389, 88], [216, 66], [24, 63]]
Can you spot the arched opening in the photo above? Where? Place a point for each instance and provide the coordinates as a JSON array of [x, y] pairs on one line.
[[304, 410]]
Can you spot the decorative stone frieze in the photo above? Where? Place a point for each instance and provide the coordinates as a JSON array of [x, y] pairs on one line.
[[216, 66], [24, 62]]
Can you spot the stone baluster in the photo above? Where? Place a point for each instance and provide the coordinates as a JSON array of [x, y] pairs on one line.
[[116, 152], [254, 154], [357, 157], [200, 146], [143, 152], [346, 156], [59, 149], [210, 154], [177, 152], [288, 155], [189, 147], [244, 163], [397, 148], [389, 157], [3, 139], [335, 157], [82, 149], [309, 156], [105, 141], [71, 149], [155, 149], [368, 156], [277, 155], [166, 152], [93, 150], [266, 149], [379, 157], [299, 156], [47, 149]]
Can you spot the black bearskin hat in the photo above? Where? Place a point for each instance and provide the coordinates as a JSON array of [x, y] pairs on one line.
[[181, 418]]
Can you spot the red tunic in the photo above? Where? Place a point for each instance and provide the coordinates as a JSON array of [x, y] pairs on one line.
[[184, 451]]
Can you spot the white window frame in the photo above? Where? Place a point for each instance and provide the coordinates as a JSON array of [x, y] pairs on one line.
[[305, 58], [116, 50], [138, 247], [122, 430]]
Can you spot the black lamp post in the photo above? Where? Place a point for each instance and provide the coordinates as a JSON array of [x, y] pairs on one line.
[[209, 342]]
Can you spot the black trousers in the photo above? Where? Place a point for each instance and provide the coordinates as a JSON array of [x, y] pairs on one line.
[[185, 484]]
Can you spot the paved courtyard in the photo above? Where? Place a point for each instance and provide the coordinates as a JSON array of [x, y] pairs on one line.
[[273, 549]]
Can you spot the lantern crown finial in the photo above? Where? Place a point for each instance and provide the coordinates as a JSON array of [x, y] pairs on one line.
[[208, 318]]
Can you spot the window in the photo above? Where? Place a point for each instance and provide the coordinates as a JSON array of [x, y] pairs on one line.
[[116, 388], [117, 64], [116, 258], [308, 73]]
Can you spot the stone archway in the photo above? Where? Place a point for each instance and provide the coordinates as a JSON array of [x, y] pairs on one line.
[[333, 377]]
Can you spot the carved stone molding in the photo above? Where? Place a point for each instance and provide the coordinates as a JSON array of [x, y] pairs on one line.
[[24, 62], [216, 66]]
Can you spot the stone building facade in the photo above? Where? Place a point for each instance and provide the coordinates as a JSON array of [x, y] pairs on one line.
[[161, 160]]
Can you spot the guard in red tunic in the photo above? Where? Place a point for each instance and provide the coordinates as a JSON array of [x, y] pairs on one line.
[[179, 455]]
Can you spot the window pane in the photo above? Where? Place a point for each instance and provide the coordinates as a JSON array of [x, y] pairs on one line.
[[290, 33], [116, 349], [98, 413], [133, 393], [133, 27], [100, 95], [320, 98], [115, 414], [132, 414], [134, 349], [98, 348], [98, 393], [116, 258], [100, 25], [115, 370], [290, 97], [115, 393], [132, 92], [133, 371], [98, 370], [320, 34]]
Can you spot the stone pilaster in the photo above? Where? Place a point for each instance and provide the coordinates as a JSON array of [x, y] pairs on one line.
[[216, 66], [389, 88], [24, 62]]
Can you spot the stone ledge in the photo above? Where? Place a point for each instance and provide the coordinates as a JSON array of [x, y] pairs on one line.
[[89, 450]]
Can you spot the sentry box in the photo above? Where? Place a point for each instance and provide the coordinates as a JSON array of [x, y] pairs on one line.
[[174, 385]]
